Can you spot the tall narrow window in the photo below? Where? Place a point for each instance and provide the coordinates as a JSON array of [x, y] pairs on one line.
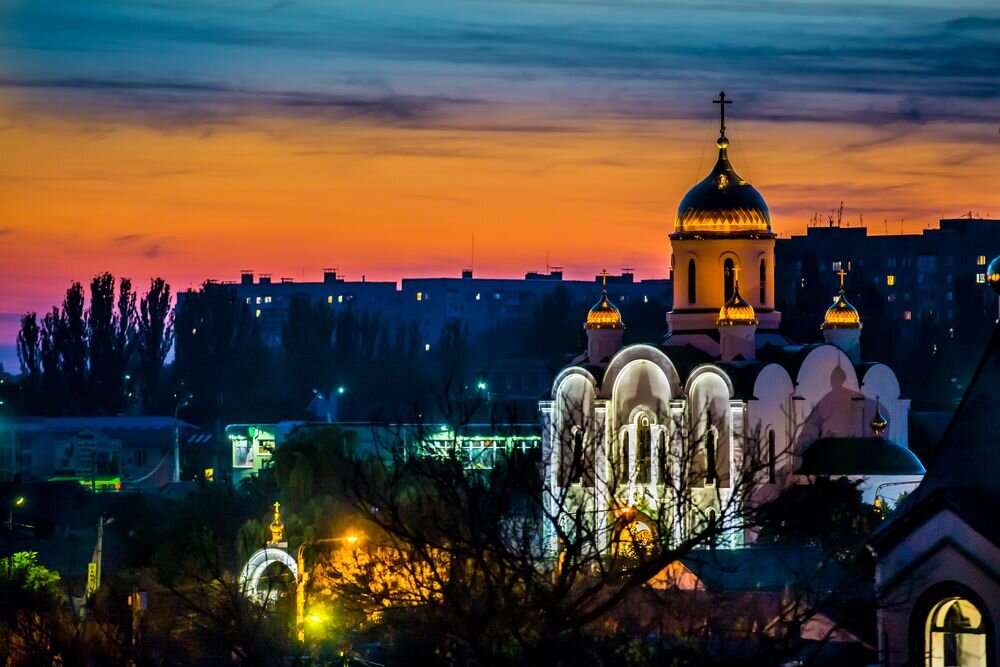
[[763, 282], [728, 276], [623, 461], [772, 455], [644, 442], [692, 282], [661, 454], [710, 445], [571, 460]]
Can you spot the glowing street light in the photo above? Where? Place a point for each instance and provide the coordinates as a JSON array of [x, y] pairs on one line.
[[300, 593]]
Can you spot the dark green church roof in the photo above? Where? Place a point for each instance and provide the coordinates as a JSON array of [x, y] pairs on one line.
[[859, 456]]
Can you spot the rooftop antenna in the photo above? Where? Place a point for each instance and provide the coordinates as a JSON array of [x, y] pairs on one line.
[[901, 226], [840, 213]]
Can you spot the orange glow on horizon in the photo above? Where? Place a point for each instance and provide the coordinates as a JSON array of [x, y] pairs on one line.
[[289, 197]]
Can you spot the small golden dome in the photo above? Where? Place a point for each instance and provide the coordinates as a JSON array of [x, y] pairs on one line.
[[604, 315], [277, 526], [736, 312], [878, 422], [841, 315]]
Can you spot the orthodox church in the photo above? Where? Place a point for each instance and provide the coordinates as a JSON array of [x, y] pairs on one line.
[[725, 410]]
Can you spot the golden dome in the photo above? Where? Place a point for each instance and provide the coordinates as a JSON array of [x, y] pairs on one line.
[[723, 203], [878, 422], [841, 315], [604, 315], [736, 312], [277, 526]]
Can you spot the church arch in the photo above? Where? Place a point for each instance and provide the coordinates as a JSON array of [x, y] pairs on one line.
[[708, 446], [620, 368], [255, 568], [573, 414]]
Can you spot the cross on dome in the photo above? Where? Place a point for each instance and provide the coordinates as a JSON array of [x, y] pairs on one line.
[[722, 102], [842, 274]]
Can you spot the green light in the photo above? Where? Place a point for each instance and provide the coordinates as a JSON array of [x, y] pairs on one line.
[[341, 389], [19, 501], [481, 386]]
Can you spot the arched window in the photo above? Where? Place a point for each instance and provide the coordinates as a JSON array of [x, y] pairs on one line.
[[692, 282], [955, 635], [711, 441], [772, 458], [713, 519], [644, 443], [623, 461], [763, 282], [571, 463], [661, 455], [728, 276]]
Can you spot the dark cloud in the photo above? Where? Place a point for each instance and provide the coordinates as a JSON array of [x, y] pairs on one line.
[[428, 64], [127, 239]]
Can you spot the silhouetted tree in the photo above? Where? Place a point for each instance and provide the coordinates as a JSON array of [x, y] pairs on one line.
[[29, 347], [110, 335], [154, 337]]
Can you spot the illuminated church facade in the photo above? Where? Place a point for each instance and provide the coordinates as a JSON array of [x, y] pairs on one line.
[[725, 410]]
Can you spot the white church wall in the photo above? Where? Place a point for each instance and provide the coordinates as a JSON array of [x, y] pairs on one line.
[[828, 386], [771, 410], [879, 382]]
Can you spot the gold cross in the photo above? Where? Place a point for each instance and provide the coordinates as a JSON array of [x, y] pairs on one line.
[[604, 277], [736, 274], [841, 273]]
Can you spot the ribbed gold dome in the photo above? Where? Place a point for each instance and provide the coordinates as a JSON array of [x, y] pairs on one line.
[[604, 315], [841, 315], [736, 311]]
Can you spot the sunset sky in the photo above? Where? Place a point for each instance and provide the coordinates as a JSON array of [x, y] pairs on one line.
[[194, 139]]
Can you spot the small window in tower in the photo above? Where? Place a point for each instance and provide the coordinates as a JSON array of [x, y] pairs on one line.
[[728, 279], [692, 282], [763, 282], [890, 280]]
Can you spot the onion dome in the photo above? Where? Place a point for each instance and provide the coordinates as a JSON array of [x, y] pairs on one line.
[[604, 315], [736, 311], [841, 315], [993, 274], [878, 422], [723, 203], [277, 527]]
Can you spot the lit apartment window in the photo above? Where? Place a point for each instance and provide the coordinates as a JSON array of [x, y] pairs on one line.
[[340, 298], [329, 299], [907, 315], [892, 298], [258, 299], [248, 299], [427, 347], [477, 296], [645, 299], [420, 296], [890, 280], [981, 260], [258, 312], [267, 299], [836, 266], [980, 277]]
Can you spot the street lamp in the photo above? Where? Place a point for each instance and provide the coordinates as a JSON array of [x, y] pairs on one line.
[[177, 437], [326, 401], [300, 592]]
